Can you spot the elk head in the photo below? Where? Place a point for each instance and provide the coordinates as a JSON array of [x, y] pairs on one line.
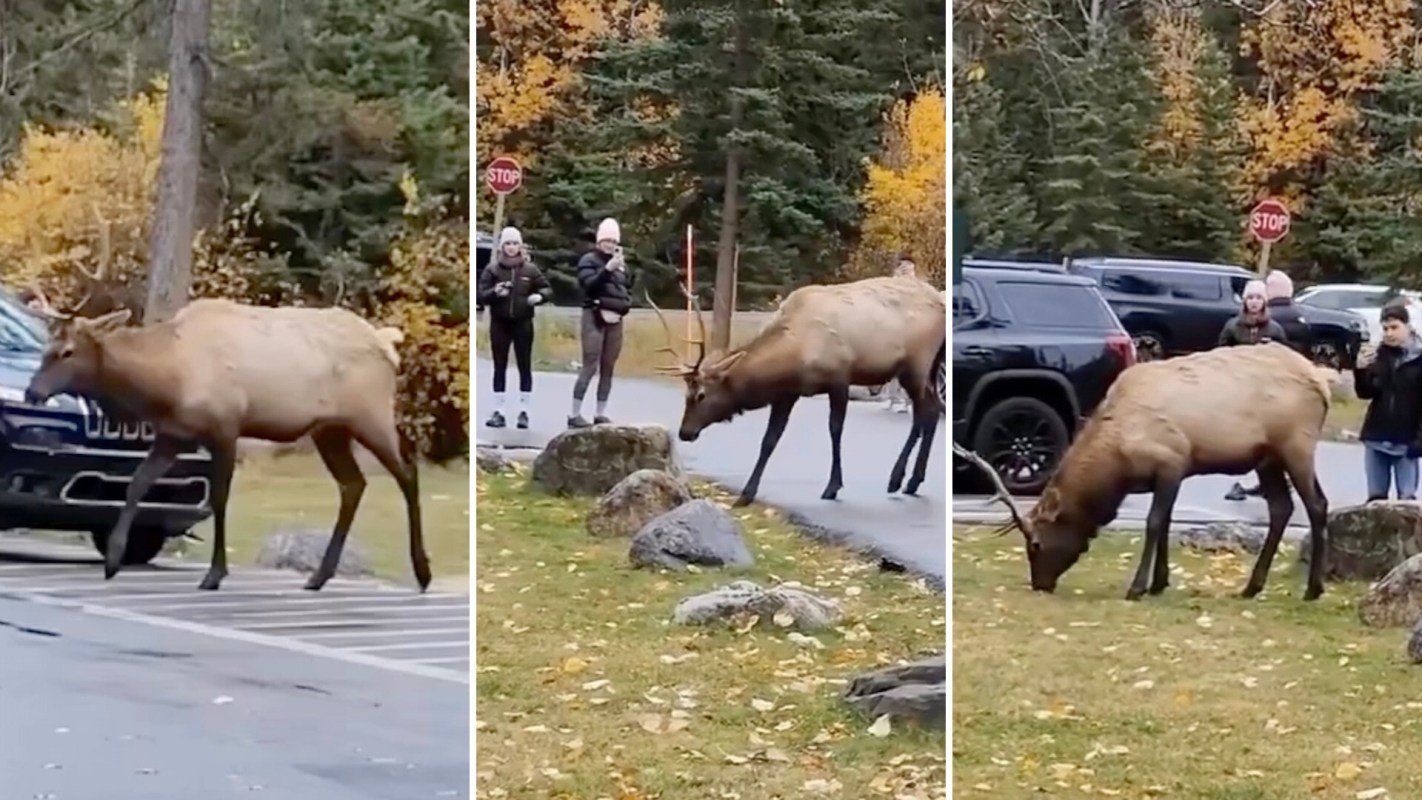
[[71, 362], [1054, 541], [710, 393]]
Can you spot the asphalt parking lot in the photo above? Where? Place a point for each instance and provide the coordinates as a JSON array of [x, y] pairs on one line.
[[356, 621]]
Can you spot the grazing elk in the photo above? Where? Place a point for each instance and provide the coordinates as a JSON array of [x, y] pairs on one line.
[[220, 370], [1225, 411], [823, 340]]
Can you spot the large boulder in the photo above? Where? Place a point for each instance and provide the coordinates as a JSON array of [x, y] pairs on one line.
[[1396, 600], [592, 460], [699, 532], [1414, 644], [1222, 537], [781, 606], [492, 461], [914, 692], [302, 549], [636, 500], [1365, 542]]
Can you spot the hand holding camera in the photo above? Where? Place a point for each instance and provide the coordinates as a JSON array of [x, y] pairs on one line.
[[1367, 354], [503, 289]]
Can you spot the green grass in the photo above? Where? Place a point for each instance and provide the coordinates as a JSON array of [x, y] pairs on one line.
[[556, 341], [1195, 693], [586, 690], [296, 491], [1346, 414]]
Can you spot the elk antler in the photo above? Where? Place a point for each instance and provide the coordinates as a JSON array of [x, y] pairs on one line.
[[44, 308], [680, 369], [1017, 521]]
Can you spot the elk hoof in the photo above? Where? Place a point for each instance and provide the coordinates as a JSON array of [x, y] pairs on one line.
[[829, 494], [1313, 593], [743, 501], [1158, 588], [110, 570], [1251, 591], [895, 481], [912, 488], [1134, 593], [314, 583], [212, 581]]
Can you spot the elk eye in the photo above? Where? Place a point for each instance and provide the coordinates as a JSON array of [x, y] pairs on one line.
[[1033, 548], [700, 395], [66, 352]]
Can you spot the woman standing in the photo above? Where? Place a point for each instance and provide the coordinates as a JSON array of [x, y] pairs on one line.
[[510, 287], [1390, 377], [607, 297], [1254, 325]]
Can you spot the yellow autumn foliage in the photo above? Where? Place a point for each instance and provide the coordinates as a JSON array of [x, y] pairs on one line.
[[429, 271], [530, 72], [903, 195]]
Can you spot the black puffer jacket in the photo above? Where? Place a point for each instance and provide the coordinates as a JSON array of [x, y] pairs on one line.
[[1290, 317], [1394, 385], [604, 288], [1238, 331], [523, 279]]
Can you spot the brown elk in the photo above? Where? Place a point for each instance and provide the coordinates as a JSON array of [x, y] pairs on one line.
[[823, 340], [1225, 411], [220, 370]]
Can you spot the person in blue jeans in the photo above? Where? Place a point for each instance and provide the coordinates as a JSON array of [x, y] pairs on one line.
[[1390, 378]]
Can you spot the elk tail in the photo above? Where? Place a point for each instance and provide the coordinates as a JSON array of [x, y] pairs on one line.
[[389, 337], [1324, 383]]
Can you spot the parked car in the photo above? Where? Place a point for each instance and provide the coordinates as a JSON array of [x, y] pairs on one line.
[[1364, 299], [1177, 307], [65, 466], [1034, 351]]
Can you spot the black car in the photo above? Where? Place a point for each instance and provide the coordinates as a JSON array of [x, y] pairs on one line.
[[64, 466], [1178, 307], [1034, 351]]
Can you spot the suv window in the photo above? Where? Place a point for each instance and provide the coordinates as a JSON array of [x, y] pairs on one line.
[[967, 302], [1055, 305], [1132, 281], [1192, 286]]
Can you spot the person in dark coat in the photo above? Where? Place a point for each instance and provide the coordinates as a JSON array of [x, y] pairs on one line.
[[1283, 310], [1254, 325], [510, 287], [1390, 378], [606, 287]]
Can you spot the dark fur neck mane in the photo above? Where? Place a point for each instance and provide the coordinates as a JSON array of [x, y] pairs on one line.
[[758, 385], [1089, 476]]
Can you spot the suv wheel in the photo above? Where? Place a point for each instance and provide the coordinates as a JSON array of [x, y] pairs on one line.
[[1023, 439], [144, 544], [1150, 346], [1326, 353]]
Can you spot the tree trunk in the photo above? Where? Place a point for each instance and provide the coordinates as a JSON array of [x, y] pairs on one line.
[[170, 258], [730, 212]]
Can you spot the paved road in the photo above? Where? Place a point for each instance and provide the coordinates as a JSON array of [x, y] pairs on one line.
[[1340, 470], [910, 530], [144, 687]]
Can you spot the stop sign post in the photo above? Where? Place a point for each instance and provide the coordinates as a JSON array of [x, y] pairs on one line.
[[503, 176], [1269, 222]]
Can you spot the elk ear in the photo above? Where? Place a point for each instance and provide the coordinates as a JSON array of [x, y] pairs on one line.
[[1049, 506], [108, 322]]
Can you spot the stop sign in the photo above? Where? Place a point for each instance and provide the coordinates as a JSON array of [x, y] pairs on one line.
[[503, 175], [1269, 221]]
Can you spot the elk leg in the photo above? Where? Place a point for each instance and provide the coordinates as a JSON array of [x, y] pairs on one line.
[[839, 405], [1275, 486], [334, 445], [896, 477], [779, 416], [399, 460], [1157, 529], [1316, 504], [155, 465], [925, 408], [224, 462]]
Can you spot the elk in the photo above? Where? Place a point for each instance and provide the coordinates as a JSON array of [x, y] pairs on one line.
[[823, 340], [1225, 411], [220, 370]]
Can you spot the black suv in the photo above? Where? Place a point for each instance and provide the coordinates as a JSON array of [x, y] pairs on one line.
[[65, 467], [1177, 307], [1034, 351]]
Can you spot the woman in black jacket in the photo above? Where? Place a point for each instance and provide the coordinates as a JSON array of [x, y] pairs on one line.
[[607, 297], [510, 287]]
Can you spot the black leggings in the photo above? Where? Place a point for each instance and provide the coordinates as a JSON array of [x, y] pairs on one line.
[[518, 333]]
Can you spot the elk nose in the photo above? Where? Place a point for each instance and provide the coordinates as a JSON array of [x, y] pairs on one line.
[[33, 397], [688, 436]]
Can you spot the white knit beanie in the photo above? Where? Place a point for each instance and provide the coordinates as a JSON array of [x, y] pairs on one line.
[[510, 235], [1279, 285], [608, 229]]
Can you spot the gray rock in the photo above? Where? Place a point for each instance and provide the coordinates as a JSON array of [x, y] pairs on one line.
[[1222, 537], [1395, 600], [592, 460], [914, 692], [1365, 542], [809, 611], [492, 461], [301, 550], [1414, 644], [699, 532], [636, 500]]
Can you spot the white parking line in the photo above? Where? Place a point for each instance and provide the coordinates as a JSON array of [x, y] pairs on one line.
[[348, 655], [304, 613], [380, 634], [451, 660], [407, 646], [117, 593], [176, 581], [285, 604], [276, 626]]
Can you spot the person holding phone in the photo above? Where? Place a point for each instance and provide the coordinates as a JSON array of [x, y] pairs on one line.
[[1389, 376], [510, 287], [606, 286]]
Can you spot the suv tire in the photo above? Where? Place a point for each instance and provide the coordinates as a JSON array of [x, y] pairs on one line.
[[1035, 429], [144, 544], [1327, 353], [1150, 346]]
